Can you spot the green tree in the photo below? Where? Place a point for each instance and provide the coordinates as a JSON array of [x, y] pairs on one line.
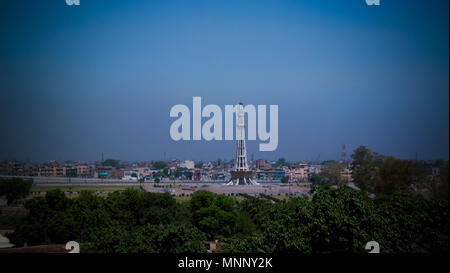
[[245, 226], [214, 214], [281, 162], [57, 200], [384, 175], [412, 224], [317, 179], [159, 165], [169, 238], [342, 220], [14, 189], [364, 168], [47, 222], [256, 207], [331, 172], [111, 162], [328, 220], [397, 174]]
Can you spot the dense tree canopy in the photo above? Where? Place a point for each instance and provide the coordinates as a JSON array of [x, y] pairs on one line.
[[344, 220], [330, 173], [338, 219], [159, 165], [111, 162], [365, 167], [214, 214], [14, 189], [120, 217], [381, 174]]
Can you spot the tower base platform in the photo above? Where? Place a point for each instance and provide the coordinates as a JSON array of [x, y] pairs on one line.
[[242, 178]]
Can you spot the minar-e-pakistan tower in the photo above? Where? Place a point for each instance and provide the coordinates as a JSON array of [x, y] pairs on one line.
[[241, 175]]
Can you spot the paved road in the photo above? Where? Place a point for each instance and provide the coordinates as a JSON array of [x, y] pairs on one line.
[[178, 187], [100, 181]]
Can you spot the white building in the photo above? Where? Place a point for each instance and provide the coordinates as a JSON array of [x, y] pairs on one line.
[[298, 174], [131, 176], [188, 164]]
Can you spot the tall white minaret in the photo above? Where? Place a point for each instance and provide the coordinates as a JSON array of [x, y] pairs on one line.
[[241, 153], [241, 173]]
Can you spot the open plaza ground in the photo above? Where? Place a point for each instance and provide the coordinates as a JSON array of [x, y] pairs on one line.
[[275, 189]]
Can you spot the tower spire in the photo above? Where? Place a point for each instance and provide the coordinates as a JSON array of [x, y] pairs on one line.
[[241, 152], [241, 173]]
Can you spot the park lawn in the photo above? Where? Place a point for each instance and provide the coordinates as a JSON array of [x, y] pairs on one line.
[[80, 188], [73, 191], [188, 198], [181, 199]]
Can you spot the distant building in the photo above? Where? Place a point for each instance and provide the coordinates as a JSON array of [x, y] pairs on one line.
[[130, 175], [118, 173], [59, 171], [198, 174], [298, 174], [221, 176], [71, 171], [314, 169], [208, 165], [270, 175], [188, 164], [278, 174], [173, 164], [46, 171], [346, 175], [435, 172], [84, 171], [104, 172], [28, 169], [143, 171], [261, 164]]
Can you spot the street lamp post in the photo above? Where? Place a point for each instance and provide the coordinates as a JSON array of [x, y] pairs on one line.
[[289, 183]]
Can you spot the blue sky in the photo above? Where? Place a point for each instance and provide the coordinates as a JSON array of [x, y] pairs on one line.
[[77, 81]]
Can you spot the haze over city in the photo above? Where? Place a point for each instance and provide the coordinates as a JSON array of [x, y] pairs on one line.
[[101, 77]]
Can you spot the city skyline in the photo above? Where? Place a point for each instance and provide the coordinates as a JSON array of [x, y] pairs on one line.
[[317, 159], [77, 81]]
